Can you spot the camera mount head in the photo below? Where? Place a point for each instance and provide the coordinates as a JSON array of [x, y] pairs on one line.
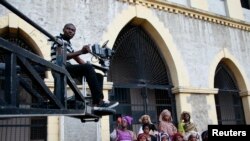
[[102, 53]]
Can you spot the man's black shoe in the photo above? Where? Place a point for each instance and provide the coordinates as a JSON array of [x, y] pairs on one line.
[[108, 104], [102, 111]]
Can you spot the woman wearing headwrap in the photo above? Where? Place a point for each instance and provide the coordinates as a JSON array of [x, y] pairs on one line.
[[193, 136], [178, 137], [145, 119], [146, 131], [142, 137], [186, 126], [163, 137], [124, 134], [204, 135], [166, 124]]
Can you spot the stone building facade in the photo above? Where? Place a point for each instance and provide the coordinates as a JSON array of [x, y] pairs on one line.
[[202, 46]]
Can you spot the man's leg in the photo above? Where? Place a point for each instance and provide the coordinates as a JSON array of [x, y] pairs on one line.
[[100, 81], [89, 73]]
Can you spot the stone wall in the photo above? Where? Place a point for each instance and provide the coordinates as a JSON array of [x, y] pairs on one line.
[[199, 42]]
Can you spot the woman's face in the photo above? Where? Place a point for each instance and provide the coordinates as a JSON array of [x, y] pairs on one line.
[[164, 138], [124, 123], [179, 138], [186, 117], [166, 117], [146, 130], [145, 120], [192, 138]]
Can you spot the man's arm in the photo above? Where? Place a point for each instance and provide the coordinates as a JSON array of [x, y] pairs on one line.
[[75, 55], [79, 60]]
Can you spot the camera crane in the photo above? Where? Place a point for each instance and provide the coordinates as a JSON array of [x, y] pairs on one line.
[[44, 102]]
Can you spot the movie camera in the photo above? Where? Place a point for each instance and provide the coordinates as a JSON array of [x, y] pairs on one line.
[[102, 53]]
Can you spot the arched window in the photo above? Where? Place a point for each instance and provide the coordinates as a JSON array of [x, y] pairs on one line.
[[21, 128], [228, 101], [140, 76]]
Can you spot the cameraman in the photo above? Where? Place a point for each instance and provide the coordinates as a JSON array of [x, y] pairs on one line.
[[94, 80]]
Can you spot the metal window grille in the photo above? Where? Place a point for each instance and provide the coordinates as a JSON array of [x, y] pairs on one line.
[[21, 129], [228, 101], [141, 78]]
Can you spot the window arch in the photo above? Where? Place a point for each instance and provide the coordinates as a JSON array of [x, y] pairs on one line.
[[33, 128], [141, 79], [228, 102]]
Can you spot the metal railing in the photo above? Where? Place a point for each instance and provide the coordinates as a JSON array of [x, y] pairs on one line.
[[45, 102]]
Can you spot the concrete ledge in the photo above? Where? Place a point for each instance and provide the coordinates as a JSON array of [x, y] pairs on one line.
[[192, 90], [245, 93]]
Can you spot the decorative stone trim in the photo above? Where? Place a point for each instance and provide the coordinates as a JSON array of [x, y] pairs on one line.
[[191, 90], [245, 93], [192, 13]]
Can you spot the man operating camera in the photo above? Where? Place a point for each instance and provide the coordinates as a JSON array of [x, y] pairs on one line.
[[94, 80]]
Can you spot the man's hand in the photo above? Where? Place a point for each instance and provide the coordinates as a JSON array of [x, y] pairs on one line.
[[85, 49]]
